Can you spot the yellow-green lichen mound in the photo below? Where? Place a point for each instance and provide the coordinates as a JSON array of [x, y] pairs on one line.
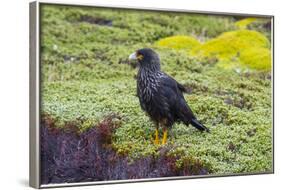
[[179, 42], [243, 24], [229, 46], [256, 58], [246, 49]]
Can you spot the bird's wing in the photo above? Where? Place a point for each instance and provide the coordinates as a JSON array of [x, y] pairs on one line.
[[172, 90], [173, 83]]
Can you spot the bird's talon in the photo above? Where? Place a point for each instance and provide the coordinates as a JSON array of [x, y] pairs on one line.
[[164, 140], [156, 140]]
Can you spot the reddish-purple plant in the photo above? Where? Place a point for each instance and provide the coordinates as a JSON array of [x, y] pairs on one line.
[[67, 156]]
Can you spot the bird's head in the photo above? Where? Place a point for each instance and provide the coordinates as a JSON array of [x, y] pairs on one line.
[[147, 58]]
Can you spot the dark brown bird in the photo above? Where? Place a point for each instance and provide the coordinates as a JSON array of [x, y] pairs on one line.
[[161, 96]]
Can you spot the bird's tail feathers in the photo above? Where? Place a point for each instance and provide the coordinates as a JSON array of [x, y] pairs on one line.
[[195, 123]]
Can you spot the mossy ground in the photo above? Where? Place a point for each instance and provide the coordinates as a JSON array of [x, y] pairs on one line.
[[86, 76]]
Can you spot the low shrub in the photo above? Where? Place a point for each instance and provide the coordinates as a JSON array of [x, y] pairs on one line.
[[69, 156]]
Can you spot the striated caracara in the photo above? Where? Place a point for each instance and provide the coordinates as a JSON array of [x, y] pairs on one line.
[[161, 96]]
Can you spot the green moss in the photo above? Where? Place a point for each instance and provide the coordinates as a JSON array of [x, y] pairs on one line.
[[179, 42], [85, 77], [243, 23]]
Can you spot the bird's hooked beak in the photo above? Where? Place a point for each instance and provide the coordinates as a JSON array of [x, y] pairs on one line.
[[133, 56]]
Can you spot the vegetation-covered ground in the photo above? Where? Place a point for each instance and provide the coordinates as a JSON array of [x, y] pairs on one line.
[[224, 64]]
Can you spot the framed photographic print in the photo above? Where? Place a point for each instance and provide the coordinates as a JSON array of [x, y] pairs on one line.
[[131, 94]]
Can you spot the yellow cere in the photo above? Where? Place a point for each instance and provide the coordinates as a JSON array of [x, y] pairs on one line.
[[139, 57]]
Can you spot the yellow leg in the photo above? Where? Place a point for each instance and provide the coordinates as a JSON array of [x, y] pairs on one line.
[[156, 141], [165, 135]]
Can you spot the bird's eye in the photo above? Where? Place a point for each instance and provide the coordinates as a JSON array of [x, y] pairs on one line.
[[139, 56]]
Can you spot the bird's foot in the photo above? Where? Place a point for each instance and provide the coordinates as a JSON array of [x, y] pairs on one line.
[[165, 135], [156, 140]]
